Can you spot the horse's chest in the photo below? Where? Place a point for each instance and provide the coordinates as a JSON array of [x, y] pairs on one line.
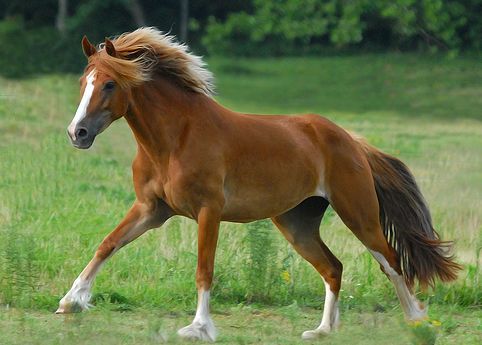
[[187, 193]]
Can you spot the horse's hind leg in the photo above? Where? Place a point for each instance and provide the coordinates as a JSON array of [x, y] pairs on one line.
[[354, 199], [300, 226]]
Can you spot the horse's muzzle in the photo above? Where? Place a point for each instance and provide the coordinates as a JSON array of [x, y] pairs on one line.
[[81, 137], [82, 134]]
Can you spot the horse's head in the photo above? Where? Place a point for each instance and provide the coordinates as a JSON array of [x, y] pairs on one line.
[[102, 99]]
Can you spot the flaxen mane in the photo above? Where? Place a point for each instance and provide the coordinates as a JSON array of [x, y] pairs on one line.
[[146, 51]]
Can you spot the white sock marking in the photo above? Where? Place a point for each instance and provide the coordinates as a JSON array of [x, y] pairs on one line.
[[330, 317], [202, 327], [330, 309], [410, 305], [202, 312], [79, 294], [84, 103]]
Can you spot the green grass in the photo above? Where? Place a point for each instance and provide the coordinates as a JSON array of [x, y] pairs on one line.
[[237, 325], [57, 203]]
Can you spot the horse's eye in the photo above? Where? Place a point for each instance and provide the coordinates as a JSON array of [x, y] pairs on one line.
[[109, 86]]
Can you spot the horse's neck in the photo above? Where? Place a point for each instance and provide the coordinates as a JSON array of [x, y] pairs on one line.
[[158, 113]]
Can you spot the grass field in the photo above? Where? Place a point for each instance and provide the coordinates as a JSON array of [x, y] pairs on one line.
[[57, 203]]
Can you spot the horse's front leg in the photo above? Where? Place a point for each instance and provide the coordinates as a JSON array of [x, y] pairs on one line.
[[140, 218], [202, 326]]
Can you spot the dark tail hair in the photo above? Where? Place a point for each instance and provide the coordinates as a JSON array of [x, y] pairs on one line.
[[406, 222]]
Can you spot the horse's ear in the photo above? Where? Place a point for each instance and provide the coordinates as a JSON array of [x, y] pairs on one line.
[[109, 47], [88, 47]]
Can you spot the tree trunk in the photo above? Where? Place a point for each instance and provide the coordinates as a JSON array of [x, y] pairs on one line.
[[184, 19], [135, 8], [61, 16]]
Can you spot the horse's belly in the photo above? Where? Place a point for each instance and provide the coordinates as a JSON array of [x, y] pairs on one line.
[[268, 197]]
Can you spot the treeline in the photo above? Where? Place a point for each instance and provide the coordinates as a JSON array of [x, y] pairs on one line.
[[43, 35], [293, 26]]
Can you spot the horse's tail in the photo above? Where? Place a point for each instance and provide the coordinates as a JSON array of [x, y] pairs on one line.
[[406, 221]]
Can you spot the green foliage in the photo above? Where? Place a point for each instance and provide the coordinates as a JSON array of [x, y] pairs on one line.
[[423, 333], [260, 269], [294, 27], [36, 51], [88, 15], [18, 268], [31, 45]]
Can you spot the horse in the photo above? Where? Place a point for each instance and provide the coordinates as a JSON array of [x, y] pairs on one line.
[[198, 159]]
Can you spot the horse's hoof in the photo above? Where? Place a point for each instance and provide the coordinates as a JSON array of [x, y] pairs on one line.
[[69, 308], [61, 310], [313, 334], [418, 314], [198, 331]]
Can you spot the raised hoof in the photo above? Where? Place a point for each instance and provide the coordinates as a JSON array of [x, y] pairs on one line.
[[313, 334], [198, 331]]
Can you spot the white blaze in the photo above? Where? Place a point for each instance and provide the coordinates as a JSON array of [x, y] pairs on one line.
[[84, 103]]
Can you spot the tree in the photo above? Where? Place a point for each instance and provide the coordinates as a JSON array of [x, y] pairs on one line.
[[135, 9], [61, 16], [184, 20]]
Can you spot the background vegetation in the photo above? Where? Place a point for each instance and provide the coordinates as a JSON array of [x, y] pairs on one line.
[[42, 36], [405, 74]]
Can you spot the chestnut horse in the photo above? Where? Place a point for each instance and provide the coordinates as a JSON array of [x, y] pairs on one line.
[[200, 160]]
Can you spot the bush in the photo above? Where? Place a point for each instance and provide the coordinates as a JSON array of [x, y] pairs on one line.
[[35, 51], [260, 270], [292, 26]]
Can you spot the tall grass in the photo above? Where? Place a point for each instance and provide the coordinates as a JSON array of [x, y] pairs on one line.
[[56, 203]]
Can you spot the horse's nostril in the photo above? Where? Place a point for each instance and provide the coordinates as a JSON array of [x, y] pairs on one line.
[[81, 133]]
